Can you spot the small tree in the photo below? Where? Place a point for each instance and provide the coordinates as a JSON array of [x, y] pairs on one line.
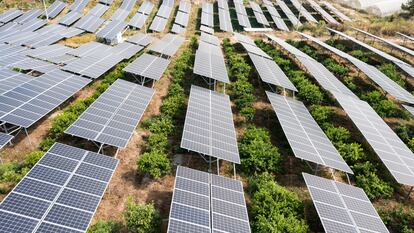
[[155, 163], [142, 218], [408, 8], [104, 227]]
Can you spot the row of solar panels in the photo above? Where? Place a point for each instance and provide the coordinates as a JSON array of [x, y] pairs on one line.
[[182, 18]]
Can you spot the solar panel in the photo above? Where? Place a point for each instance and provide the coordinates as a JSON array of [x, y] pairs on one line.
[[94, 65], [28, 16], [321, 11], [225, 20], [30, 64], [277, 19], [38, 205], [146, 8], [5, 139], [158, 24], [322, 75], [140, 39], [258, 14], [214, 40], [89, 23], [138, 21], [292, 17], [10, 79], [126, 50], [148, 66], [55, 9], [112, 30], [220, 207], [243, 21], [207, 19], [127, 4], [270, 72], [181, 19], [66, 32], [78, 5], [302, 10], [304, 135], [208, 30], [70, 18], [48, 53], [98, 10], [169, 3], [244, 39], [374, 74], [390, 43], [406, 36], [342, 207], [409, 109], [255, 50], [396, 156], [9, 15], [120, 15], [207, 8], [184, 6], [89, 48], [223, 4], [164, 11], [210, 65], [106, 2], [338, 13], [209, 127], [30, 25], [168, 45], [178, 29], [113, 117], [26, 104], [10, 55]]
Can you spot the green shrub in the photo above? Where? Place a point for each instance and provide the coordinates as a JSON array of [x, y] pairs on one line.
[[349, 82], [337, 135], [321, 114], [368, 180], [398, 219], [336, 68], [274, 208], [390, 70], [308, 92], [154, 163], [383, 106], [359, 54], [257, 153], [142, 218], [104, 227], [160, 125], [32, 158], [158, 141], [352, 152], [405, 132], [173, 105]]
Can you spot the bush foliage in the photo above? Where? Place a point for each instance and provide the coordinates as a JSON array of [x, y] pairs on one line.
[[142, 218]]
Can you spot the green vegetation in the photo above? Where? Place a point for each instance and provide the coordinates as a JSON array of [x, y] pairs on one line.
[[398, 218], [104, 227], [391, 71], [242, 91], [383, 106], [274, 208], [408, 8], [142, 218], [257, 153], [155, 161]]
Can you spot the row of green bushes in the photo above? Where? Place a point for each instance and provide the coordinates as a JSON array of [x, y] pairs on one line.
[[138, 218], [366, 172], [274, 208], [242, 91], [398, 218], [155, 161]]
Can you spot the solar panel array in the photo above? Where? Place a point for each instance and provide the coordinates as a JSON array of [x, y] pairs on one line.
[[138, 21], [396, 156], [25, 104], [4, 139], [55, 9], [303, 12], [78, 5], [321, 11], [241, 12], [322, 75], [292, 17], [224, 16], [113, 117], [70, 18], [94, 65], [406, 36], [208, 38], [342, 207], [28, 16], [409, 109], [140, 39], [204, 202], [207, 16], [50, 53], [209, 127], [10, 55], [127, 5], [338, 13], [146, 8], [98, 10], [10, 79], [148, 66], [120, 15], [9, 15], [258, 14], [89, 23], [277, 19], [60, 193], [406, 67], [182, 17], [207, 29], [112, 30], [374, 74], [304, 135], [160, 21], [106, 2], [30, 64], [168, 45]]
